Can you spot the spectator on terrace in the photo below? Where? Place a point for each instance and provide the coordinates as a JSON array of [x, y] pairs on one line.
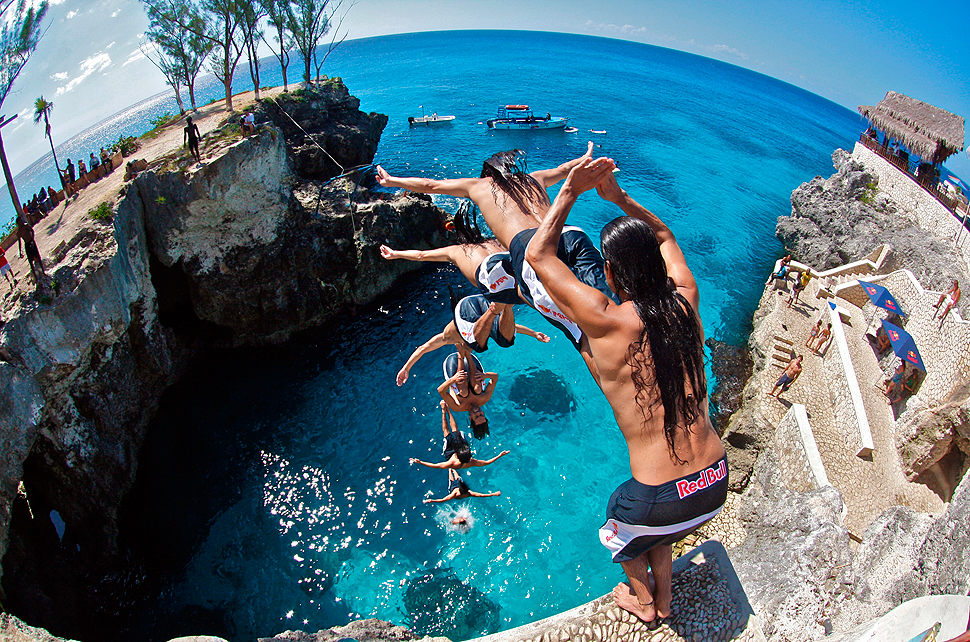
[[69, 172], [951, 296], [814, 333], [190, 137], [94, 162], [7, 271], [823, 337], [25, 235], [81, 169], [895, 380], [788, 377]]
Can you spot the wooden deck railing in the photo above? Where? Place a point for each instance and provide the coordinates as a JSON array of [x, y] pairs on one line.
[[911, 167]]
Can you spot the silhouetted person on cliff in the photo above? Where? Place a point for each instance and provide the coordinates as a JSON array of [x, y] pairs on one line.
[[191, 137], [648, 359], [25, 235]]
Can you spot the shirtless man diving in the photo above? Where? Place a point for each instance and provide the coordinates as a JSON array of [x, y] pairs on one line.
[[648, 360], [513, 203]]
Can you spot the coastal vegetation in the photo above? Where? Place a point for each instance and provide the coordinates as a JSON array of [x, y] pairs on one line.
[[183, 35], [127, 145], [100, 212]]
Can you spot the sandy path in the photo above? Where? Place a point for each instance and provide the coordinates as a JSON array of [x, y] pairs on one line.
[[71, 217]]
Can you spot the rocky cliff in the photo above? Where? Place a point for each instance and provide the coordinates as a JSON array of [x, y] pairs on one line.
[[239, 250]]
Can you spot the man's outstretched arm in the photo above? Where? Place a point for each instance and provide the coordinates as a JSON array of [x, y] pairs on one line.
[[451, 186], [521, 329], [673, 256], [432, 344]]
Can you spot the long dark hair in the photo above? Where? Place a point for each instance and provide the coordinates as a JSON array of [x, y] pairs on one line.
[[510, 176], [669, 352], [466, 224]]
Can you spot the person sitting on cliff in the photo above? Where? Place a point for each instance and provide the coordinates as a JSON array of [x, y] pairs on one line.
[[483, 261], [648, 359], [513, 203], [895, 380], [788, 377], [248, 123], [190, 137], [951, 296], [458, 489], [456, 447]]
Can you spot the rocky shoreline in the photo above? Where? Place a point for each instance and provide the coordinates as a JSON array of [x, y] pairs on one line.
[[240, 250]]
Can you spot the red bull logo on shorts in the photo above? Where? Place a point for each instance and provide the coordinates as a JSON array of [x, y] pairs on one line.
[[705, 478]]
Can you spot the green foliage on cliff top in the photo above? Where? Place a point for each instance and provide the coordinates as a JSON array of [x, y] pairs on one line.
[[100, 213], [869, 194]]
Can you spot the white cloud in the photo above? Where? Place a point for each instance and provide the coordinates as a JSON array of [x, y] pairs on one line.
[[626, 30], [134, 56], [60, 76], [58, 1], [98, 62], [71, 14], [115, 14], [111, 45], [725, 49]]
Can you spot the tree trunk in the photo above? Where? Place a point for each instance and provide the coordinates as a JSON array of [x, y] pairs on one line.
[[47, 126], [191, 86], [227, 83]]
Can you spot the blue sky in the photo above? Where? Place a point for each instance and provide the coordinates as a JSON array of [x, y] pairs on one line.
[[849, 51]]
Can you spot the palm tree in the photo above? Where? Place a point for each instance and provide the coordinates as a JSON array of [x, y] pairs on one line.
[[43, 109]]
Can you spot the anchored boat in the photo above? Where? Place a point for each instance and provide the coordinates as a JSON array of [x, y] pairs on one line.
[[521, 117], [433, 118]]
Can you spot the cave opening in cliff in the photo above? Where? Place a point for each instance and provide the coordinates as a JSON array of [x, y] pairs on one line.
[[944, 476], [175, 309]]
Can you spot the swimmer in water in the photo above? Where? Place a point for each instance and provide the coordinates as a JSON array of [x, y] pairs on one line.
[[456, 448], [458, 489]]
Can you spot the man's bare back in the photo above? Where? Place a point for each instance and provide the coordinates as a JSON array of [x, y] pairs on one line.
[[503, 216]]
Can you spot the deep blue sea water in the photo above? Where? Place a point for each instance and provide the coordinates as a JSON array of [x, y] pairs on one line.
[[275, 491]]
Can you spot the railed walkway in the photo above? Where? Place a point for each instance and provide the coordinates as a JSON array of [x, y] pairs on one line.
[[868, 485]]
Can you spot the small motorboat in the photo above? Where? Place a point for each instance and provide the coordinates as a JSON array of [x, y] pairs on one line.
[[427, 120], [597, 131], [521, 117], [570, 130]]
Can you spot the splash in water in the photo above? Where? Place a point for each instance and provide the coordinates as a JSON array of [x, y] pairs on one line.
[[459, 520]]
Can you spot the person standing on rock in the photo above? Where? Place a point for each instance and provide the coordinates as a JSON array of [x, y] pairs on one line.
[[25, 235], [788, 377], [648, 359], [191, 137], [6, 270]]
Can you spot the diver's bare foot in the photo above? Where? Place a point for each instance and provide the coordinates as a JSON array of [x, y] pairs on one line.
[[626, 600]]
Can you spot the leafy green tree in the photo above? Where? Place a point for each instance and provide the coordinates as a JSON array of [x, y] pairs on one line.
[[180, 51], [251, 16], [19, 36], [278, 16], [310, 22], [42, 110]]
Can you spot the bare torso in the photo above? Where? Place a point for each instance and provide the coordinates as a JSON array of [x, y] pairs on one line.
[[650, 458], [502, 215]]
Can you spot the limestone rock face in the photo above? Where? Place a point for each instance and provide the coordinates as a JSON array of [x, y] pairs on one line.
[[325, 116], [796, 557], [369, 630], [844, 217], [905, 555], [238, 250]]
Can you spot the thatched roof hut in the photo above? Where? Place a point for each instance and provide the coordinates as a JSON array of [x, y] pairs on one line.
[[932, 133]]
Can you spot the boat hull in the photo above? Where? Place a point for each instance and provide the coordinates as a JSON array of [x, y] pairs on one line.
[[429, 120], [520, 123]]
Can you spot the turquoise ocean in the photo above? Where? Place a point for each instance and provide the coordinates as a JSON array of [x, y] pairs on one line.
[[275, 492]]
